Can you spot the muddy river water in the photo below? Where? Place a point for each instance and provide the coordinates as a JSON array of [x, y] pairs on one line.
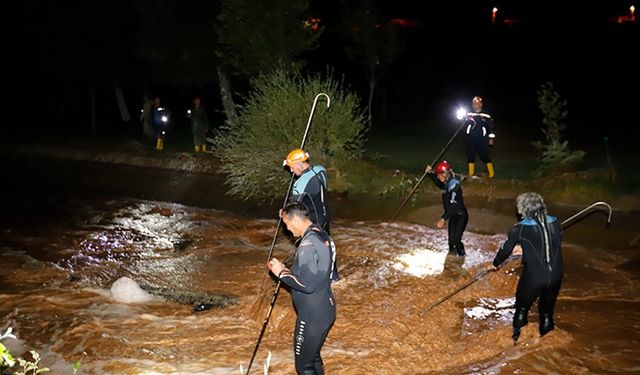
[[192, 303]]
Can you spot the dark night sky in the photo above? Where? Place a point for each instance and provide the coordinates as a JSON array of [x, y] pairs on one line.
[[455, 54]]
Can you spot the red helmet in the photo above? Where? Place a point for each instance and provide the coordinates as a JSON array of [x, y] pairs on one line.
[[443, 167]]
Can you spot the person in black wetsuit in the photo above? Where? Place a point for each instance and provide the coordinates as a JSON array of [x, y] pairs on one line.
[[480, 136], [539, 236], [311, 189], [455, 211], [309, 280]]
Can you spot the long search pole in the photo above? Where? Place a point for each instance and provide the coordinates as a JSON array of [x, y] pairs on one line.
[[566, 223], [275, 236], [444, 149], [286, 197]]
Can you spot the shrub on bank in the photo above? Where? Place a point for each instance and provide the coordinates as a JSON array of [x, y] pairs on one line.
[[273, 122]]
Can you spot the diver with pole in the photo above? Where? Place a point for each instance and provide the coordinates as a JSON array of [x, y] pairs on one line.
[[275, 236], [460, 115], [538, 237]]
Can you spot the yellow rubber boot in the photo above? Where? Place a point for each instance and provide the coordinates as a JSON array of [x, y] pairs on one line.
[[490, 169], [197, 148], [204, 148], [472, 169], [160, 144]]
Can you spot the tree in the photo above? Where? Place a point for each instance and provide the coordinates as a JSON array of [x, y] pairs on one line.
[[258, 39], [555, 153], [177, 41], [273, 122], [67, 51], [371, 42]]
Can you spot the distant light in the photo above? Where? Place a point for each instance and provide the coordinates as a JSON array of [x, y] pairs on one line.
[[632, 10], [493, 15], [405, 22], [312, 23], [188, 111], [460, 113], [164, 118]]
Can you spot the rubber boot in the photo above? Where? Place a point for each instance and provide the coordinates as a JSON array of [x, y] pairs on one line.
[[546, 324], [472, 169], [159, 144], [197, 148], [490, 169], [519, 321], [204, 148]]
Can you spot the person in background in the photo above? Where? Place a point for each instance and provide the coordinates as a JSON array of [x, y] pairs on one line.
[[455, 211], [145, 117], [538, 237], [160, 117], [480, 136], [309, 281], [199, 125]]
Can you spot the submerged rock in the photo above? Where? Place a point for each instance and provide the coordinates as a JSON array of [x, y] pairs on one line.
[[200, 300]]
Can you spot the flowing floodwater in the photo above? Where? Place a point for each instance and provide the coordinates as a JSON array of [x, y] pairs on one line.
[[144, 287]]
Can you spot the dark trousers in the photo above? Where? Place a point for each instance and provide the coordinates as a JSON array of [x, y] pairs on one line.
[[457, 225], [477, 146]]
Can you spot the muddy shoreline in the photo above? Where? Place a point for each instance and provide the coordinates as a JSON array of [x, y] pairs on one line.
[[49, 176]]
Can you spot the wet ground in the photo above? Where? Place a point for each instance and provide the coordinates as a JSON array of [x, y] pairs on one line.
[[63, 247]]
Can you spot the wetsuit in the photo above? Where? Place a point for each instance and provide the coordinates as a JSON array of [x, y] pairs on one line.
[[311, 189], [455, 211], [310, 282], [479, 128], [542, 269]]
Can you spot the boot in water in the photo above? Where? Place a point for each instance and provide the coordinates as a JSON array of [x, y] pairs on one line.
[[546, 324], [519, 321]]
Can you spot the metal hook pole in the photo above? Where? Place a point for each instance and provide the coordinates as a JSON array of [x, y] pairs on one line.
[[275, 236], [444, 149], [564, 224]]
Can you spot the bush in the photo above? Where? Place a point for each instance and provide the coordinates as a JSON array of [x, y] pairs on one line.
[[273, 122]]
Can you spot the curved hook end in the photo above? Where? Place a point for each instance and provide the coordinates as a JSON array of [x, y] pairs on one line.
[[325, 95]]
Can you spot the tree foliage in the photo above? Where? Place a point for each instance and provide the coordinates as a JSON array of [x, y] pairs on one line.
[[555, 153], [264, 36], [371, 41], [177, 40], [273, 122]]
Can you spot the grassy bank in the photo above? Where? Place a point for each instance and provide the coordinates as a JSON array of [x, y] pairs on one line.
[[395, 157]]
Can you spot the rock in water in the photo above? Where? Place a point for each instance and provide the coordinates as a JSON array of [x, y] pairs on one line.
[[128, 291]]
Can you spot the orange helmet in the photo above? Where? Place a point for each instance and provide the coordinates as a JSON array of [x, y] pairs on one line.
[[443, 167], [296, 156]]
